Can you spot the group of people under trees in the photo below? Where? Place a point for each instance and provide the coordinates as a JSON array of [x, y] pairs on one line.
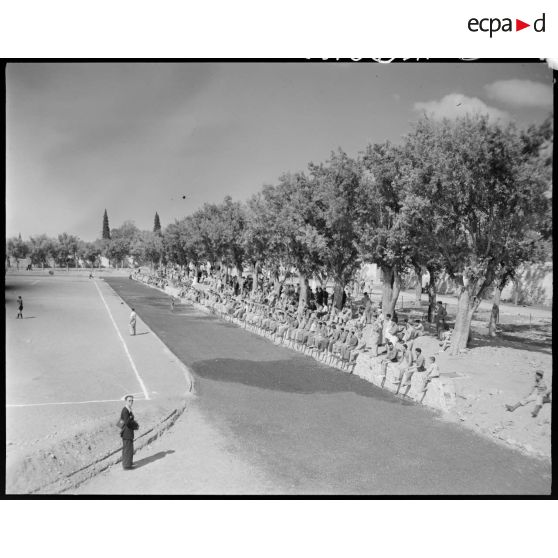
[[332, 335]]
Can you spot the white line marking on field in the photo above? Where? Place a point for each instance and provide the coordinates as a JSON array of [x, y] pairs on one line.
[[35, 282], [70, 402], [142, 385]]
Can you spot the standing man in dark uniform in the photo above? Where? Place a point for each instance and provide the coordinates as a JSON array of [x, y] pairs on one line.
[[19, 307], [128, 425]]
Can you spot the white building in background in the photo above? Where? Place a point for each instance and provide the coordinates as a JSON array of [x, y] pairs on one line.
[[371, 273]]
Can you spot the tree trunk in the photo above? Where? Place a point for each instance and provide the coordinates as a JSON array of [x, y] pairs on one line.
[[431, 295], [418, 286], [338, 289], [255, 278], [391, 286], [276, 281], [495, 314], [515, 291], [239, 277], [466, 307], [303, 291]]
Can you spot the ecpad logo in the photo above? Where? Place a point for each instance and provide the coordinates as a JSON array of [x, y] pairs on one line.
[[494, 24]]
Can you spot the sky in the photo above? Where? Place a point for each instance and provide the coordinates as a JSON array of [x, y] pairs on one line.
[[135, 138]]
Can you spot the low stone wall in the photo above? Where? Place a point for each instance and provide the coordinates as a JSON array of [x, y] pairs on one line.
[[440, 393]]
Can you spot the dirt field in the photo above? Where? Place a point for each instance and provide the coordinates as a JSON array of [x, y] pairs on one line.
[[68, 364]]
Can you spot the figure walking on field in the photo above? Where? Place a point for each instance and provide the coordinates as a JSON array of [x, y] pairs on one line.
[[133, 317], [19, 307]]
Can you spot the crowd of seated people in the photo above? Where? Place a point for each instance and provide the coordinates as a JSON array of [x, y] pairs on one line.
[[155, 279], [333, 336], [327, 333]]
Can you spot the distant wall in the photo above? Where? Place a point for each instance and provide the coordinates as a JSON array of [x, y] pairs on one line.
[[532, 286]]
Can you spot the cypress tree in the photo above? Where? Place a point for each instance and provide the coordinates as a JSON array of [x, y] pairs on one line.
[[106, 228], [157, 224]]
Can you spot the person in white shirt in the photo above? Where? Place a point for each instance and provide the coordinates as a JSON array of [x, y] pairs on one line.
[[133, 317], [431, 372]]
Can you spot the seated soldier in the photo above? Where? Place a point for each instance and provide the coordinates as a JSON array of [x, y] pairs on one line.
[[390, 329], [539, 393], [240, 312], [334, 334], [419, 366], [405, 361], [419, 328], [446, 340], [408, 334], [309, 328], [230, 307], [376, 340], [344, 333], [431, 372], [299, 333], [360, 348], [390, 356], [292, 329], [273, 324], [322, 338], [350, 345], [311, 340], [282, 326]]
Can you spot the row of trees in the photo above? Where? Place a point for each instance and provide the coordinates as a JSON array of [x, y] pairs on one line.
[[469, 198], [127, 241]]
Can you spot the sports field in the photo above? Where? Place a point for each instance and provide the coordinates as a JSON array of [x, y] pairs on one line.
[[68, 364]]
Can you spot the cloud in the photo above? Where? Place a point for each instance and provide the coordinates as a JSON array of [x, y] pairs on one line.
[[520, 92], [456, 105]]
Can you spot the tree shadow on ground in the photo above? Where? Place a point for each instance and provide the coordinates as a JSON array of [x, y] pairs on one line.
[[295, 375], [519, 337], [215, 320], [151, 458]]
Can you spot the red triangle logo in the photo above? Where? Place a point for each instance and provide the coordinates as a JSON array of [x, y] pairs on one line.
[[519, 25]]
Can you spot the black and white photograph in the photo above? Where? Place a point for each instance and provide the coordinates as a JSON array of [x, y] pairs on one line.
[[291, 278]]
